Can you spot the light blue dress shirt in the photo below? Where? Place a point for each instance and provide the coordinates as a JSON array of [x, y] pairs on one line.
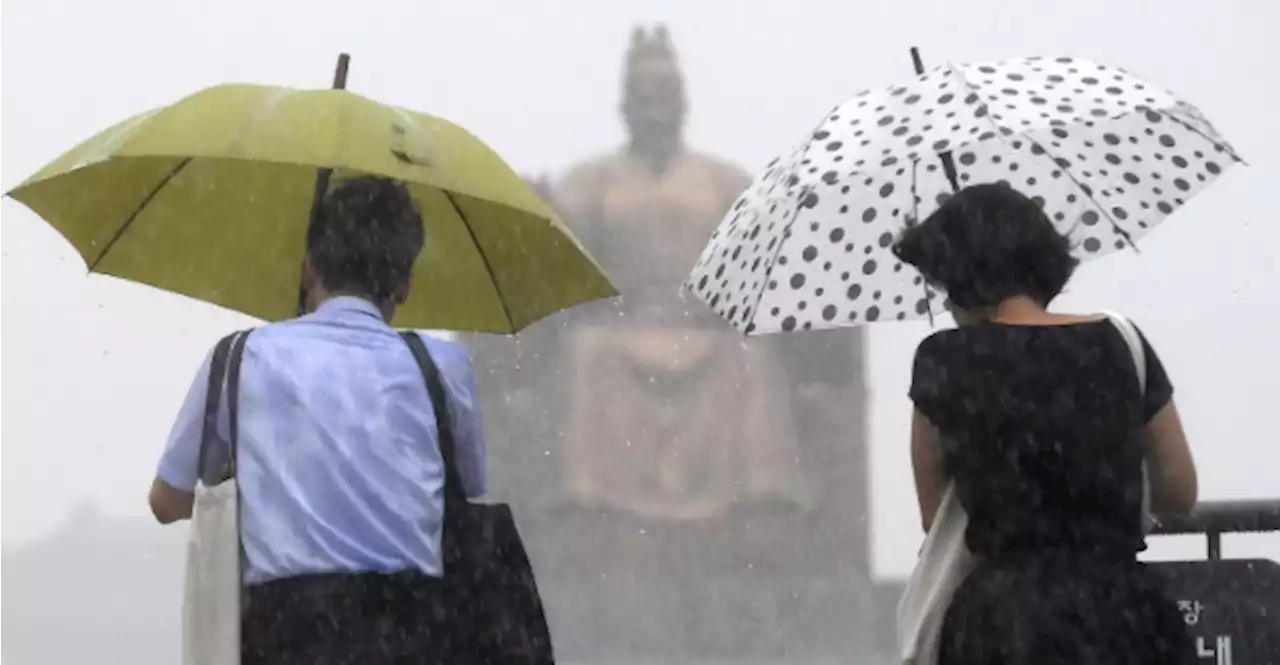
[[339, 464]]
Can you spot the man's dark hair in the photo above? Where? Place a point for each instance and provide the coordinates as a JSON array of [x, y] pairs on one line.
[[365, 237], [986, 244]]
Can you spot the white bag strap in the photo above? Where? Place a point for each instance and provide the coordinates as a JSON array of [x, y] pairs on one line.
[[1136, 350], [1134, 340]]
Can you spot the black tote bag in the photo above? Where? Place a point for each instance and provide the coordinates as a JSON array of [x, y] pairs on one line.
[[488, 579]]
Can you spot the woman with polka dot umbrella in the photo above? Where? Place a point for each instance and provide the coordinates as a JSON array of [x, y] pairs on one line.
[[808, 246]]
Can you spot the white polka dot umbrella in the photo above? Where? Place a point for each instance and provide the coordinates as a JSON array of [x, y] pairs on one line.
[[807, 246]]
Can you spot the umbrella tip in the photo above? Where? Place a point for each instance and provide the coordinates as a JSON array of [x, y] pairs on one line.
[[340, 72], [916, 60]]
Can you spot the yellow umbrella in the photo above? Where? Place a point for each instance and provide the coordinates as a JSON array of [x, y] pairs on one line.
[[211, 196]]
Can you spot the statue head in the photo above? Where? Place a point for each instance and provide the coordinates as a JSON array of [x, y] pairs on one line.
[[653, 100]]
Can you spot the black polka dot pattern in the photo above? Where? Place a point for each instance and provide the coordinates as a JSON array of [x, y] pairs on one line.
[[808, 245]]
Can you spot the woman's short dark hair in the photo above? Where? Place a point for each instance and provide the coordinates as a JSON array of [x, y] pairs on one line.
[[988, 243], [365, 237]]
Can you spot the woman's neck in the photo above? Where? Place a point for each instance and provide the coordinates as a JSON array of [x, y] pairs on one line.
[[1020, 309]]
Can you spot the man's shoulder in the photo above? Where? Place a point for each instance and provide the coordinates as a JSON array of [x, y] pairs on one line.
[[438, 342], [267, 333], [228, 339], [446, 352]]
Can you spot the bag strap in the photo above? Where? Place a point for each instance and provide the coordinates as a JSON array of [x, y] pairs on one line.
[[233, 395], [439, 403], [1134, 340], [224, 370]]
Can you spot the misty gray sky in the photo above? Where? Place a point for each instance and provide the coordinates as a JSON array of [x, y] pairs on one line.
[[97, 367]]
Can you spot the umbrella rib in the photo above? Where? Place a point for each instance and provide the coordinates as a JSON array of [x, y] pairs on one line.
[[768, 271], [1088, 192], [483, 257], [1217, 144], [1066, 170], [142, 206], [773, 263]]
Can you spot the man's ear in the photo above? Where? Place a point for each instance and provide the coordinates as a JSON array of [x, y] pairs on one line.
[[310, 283], [401, 295]]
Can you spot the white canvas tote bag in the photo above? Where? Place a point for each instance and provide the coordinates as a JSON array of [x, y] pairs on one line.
[[211, 598]]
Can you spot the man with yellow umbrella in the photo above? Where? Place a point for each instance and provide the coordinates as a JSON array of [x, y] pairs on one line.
[[341, 469], [327, 459]]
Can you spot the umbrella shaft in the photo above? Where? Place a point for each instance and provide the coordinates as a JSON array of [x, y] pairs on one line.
[[948, 164], [323, 175]]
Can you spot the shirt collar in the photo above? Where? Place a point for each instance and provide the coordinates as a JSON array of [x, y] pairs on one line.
[[349, 304]]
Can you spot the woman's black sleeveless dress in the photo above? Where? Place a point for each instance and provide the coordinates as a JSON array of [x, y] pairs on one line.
[[1041, 435]]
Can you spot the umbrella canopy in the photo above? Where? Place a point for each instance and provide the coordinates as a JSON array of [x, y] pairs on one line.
[[808, 246], [211, 196]]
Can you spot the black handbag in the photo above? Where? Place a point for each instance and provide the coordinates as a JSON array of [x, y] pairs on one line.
[[488, 579]]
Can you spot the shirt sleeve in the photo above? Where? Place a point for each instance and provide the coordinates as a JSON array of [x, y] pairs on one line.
[[1159, 388], [464, 412], [179, 464], [926, 381]]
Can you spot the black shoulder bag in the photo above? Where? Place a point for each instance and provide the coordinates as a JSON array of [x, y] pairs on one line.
[[224, 366], [487, 575]]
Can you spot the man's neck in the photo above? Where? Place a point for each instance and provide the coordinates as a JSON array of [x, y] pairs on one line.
[[386, 309]]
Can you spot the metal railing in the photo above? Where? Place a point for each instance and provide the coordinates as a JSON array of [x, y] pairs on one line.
[[1214, 518]]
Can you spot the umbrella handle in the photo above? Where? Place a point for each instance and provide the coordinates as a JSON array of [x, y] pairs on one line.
[[948, 164], [322, 175]]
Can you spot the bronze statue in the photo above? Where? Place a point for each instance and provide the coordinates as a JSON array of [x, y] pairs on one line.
[[674, 419], [686, 485]]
